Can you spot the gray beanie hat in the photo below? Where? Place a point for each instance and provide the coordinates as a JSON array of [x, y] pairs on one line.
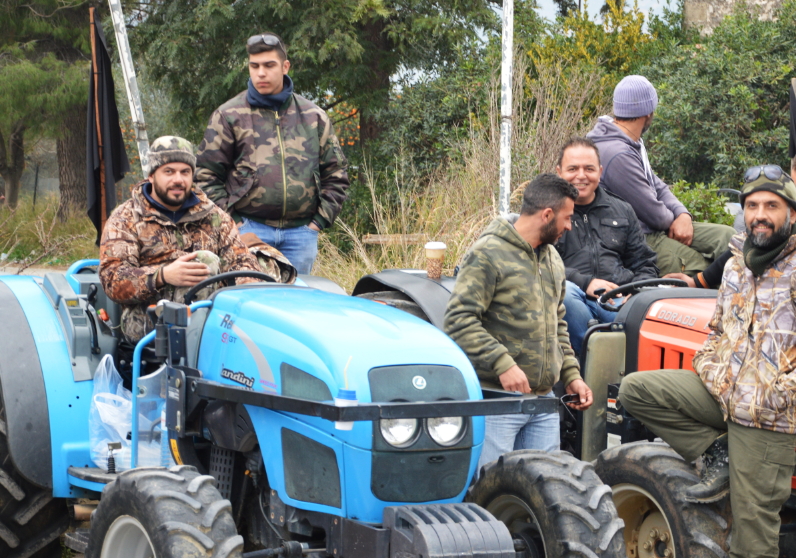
[[170, 149], [634, 96]]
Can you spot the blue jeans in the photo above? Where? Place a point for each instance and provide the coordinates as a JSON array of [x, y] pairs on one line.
[[580, 309], [505, 433], [299, 244]]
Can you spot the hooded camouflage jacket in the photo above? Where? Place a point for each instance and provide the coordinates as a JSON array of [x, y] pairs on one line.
[[507, 308], [138, 240], [283, 168], [748, 362]]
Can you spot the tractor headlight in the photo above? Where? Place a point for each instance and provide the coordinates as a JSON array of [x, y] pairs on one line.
[[446, 431], [399, 432]]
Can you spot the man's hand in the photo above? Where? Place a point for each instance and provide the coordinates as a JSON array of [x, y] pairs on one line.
[[584, 392], [682, 277], [182, 272], [600, 284], [514, 379], [682, 229]]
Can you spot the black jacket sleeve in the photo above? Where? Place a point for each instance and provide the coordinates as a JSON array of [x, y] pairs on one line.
[[711, 277]]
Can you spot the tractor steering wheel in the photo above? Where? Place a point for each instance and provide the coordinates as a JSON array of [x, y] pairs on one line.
[[188, 298], [634, 288]]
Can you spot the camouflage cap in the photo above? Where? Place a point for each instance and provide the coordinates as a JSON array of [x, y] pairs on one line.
[[170, 149], [761, 180]]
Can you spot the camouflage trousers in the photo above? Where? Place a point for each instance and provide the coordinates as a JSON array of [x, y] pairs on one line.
[[676, 406]]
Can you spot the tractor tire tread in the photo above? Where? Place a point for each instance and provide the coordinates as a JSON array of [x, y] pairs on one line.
[[699, 530], [31, 520], [578, 517], [181, 511]]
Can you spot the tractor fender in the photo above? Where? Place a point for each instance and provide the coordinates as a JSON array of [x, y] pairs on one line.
[[430, 295], [27, 419]]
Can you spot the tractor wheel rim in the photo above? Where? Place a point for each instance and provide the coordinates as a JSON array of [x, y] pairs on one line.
[[647, 530], [521, 522], [127, 538]]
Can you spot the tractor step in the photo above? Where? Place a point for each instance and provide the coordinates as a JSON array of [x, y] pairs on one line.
[[77, 540], [92, 474]]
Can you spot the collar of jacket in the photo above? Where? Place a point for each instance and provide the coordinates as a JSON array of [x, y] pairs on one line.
[[503, 227], [149, 211], [737, 242], [277, 101], [598, 201]]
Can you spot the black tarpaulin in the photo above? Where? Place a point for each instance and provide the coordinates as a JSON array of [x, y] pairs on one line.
[[102, 101]]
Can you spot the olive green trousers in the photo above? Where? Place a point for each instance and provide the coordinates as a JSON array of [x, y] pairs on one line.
[[676, 406], [710, 241]]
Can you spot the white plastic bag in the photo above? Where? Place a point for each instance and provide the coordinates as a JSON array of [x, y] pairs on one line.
[[110, 420]]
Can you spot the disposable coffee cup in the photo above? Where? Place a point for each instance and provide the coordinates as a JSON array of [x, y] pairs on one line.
[[435, 254], [345, 398]]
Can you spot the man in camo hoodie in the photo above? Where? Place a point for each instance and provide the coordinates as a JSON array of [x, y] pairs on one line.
[[739, 412], [271, 159], [506, 312]]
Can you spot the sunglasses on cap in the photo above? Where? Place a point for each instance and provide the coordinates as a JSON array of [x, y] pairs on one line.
[[268, 39], [772, 172]]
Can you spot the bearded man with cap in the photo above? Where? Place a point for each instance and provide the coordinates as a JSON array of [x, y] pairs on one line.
[[682, 245], [168, 237], [739, 410]]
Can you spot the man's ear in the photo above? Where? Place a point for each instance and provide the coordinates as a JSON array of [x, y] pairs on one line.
[[548, 214], [558, 170], [285, 67]]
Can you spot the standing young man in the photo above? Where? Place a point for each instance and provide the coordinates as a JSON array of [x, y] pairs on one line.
[[506, 312], [271, 159]]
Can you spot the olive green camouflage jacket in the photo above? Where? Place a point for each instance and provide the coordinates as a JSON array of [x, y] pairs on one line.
[[138, 240], [748, 362], [283, 168], [507, 308]]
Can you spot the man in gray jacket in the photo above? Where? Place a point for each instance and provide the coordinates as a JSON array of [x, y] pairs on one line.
[[682, 245]]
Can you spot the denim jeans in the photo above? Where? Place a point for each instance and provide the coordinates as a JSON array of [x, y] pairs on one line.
[[580, 309], [505, 433], [299, 244]]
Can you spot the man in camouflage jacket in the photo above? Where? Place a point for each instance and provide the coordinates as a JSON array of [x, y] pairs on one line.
[[739, 413], [151, 246], [271, 159], [506, 312]]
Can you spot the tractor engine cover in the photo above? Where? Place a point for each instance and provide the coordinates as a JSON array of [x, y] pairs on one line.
[[446, 530]]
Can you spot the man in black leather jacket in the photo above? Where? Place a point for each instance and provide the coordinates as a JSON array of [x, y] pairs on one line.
[[604, 249]]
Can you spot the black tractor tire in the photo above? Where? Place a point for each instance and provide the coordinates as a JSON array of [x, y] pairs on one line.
[[648, 479], [553, 502], [31, 520], [167, 513], [398, 300]]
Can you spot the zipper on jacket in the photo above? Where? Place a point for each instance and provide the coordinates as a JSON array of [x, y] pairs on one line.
[[595, 260], [284, 172]]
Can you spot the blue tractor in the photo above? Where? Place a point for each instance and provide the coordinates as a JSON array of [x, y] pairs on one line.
[[302, 421]]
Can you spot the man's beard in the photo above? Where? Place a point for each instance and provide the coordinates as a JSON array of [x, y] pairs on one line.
[[549, 233], [760, 240], [163, 194]]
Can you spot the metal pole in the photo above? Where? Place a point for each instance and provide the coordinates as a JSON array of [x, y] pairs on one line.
[[98, 123], [506, 67], [130, 82]]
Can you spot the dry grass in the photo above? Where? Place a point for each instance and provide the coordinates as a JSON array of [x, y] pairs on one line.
[[457, 202], [34, 236]]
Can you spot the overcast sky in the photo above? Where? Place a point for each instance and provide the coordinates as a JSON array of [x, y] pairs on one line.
[[547, 8]]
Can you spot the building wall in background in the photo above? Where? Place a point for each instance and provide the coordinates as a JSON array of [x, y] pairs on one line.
[[707, 14]]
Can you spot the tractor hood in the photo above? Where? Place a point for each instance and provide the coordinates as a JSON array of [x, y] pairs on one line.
[[252, 335], [693, 314]]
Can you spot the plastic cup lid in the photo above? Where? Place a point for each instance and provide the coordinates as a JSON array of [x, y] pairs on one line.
[[435, 245], [347, 394]]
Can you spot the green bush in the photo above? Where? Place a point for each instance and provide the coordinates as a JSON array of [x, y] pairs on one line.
[[724, 101], [703, 202]]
